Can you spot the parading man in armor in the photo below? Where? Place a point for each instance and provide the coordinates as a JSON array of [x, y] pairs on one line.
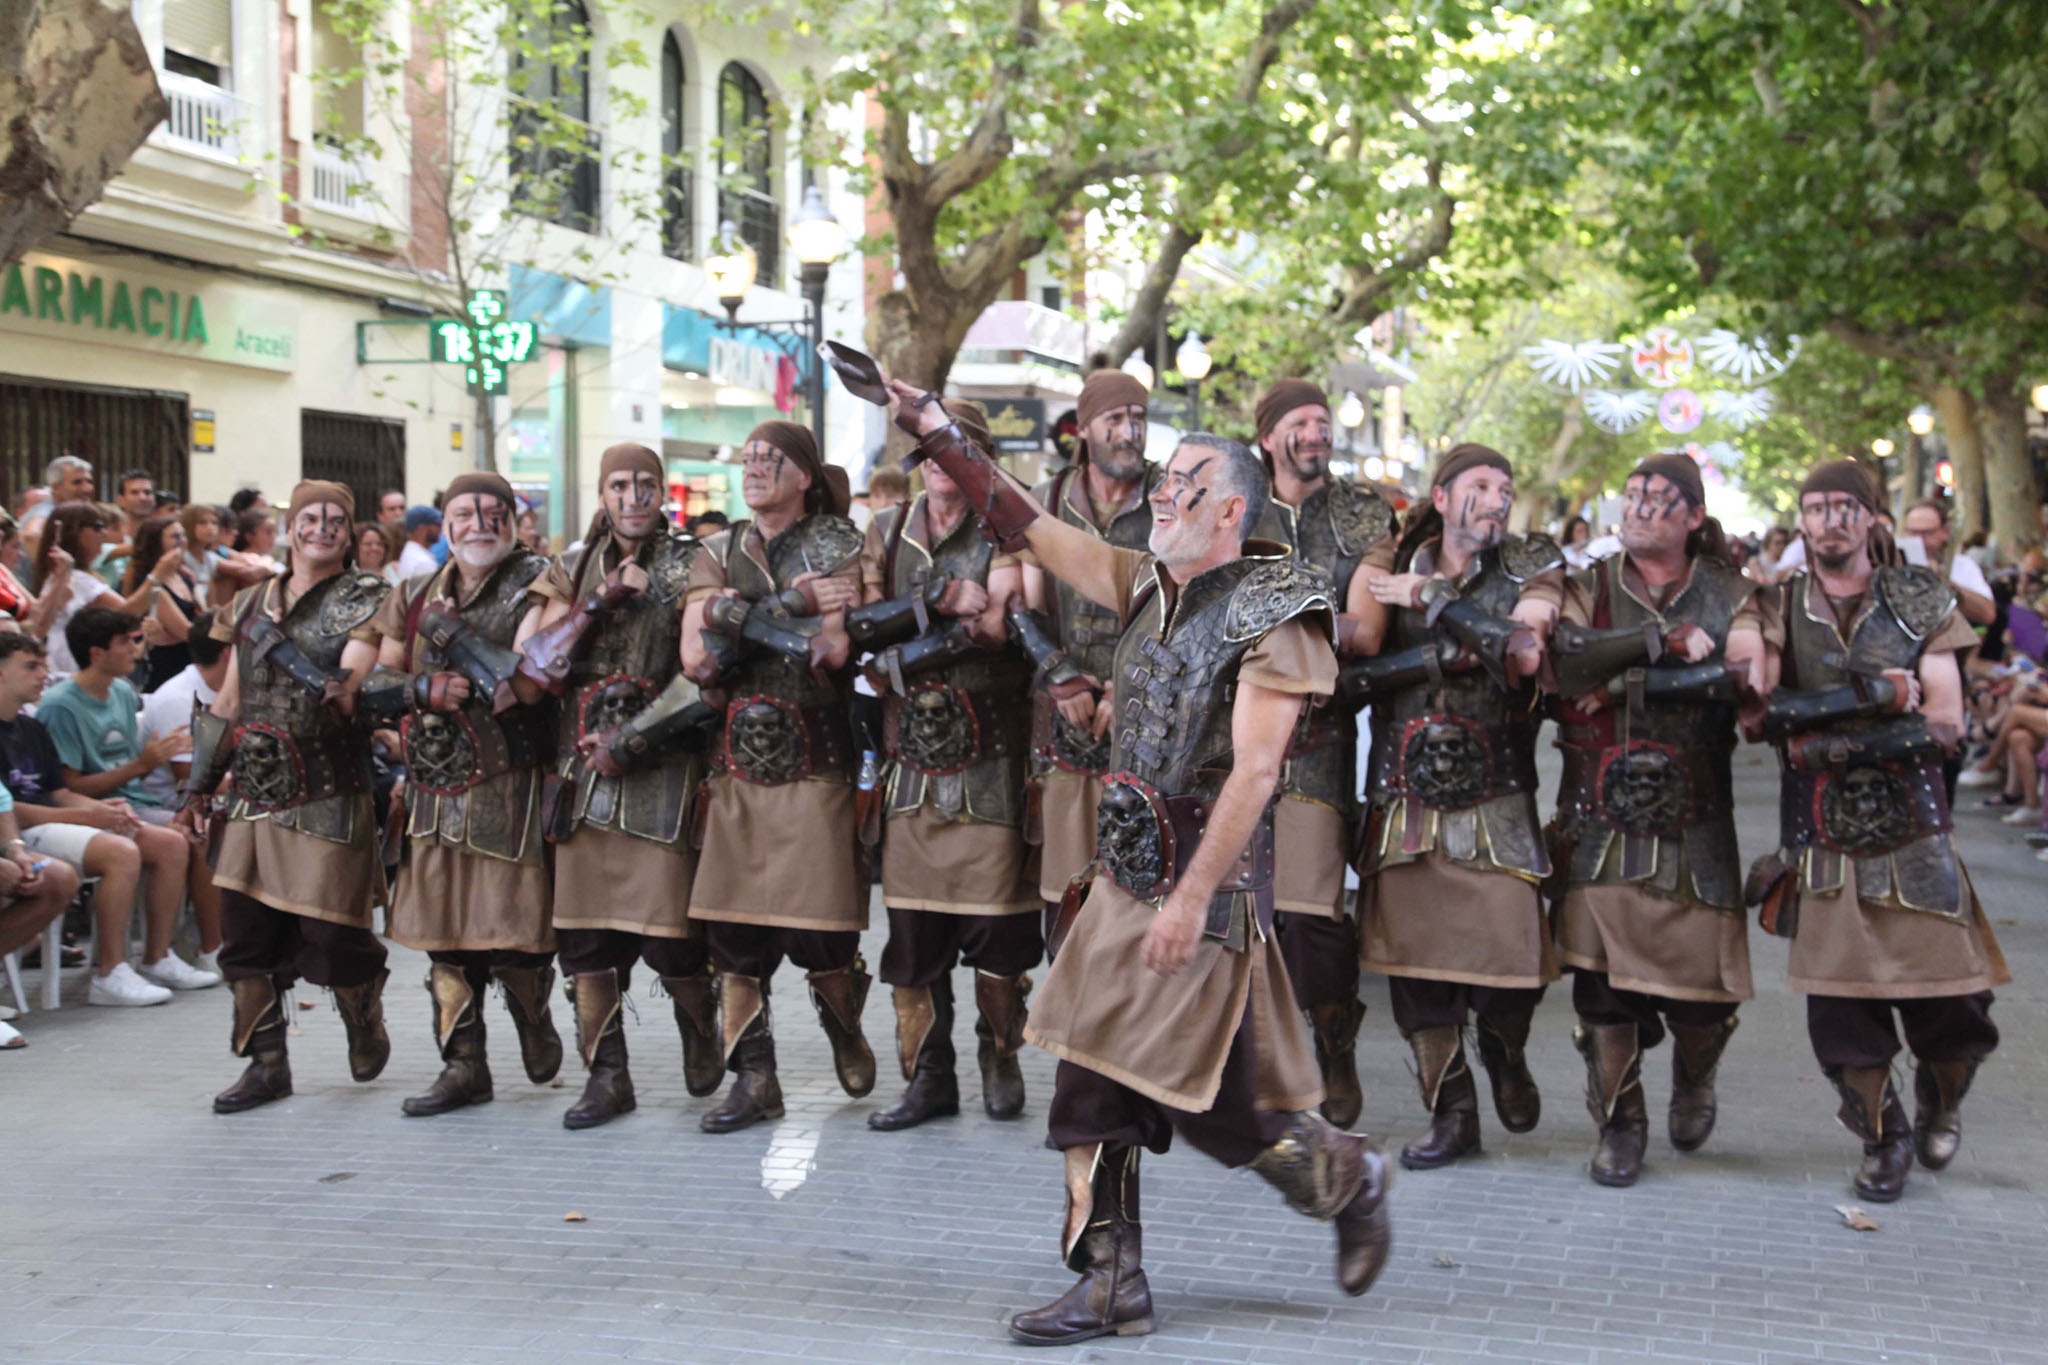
[[474, 890], [297, 864], [1453, 851], [1168, 1005], [1866, 882], [1107, 493], [1651, 920], [606, 637], [956, 874], [780, 876], [1334, 528]]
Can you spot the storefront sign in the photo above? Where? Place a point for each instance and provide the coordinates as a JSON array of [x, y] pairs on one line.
[[1016, 423], [201, 318]]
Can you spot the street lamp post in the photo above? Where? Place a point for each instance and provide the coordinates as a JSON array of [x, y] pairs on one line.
[[1194, 361], [819, 241]]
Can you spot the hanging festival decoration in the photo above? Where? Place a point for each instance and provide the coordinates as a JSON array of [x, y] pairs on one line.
[[1619, 412], [1575, 364], [1661, 358], [1680, 410], [1745, 361], [1740, 410]]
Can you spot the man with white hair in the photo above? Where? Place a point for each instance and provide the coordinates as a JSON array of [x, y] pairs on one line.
[[70, 480]]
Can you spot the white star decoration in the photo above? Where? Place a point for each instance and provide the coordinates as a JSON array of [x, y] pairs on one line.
[[1574, 364], [1747, 361], [1619, 411], [1740, 410]]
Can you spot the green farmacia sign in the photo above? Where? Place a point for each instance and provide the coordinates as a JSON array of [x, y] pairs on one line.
[[221, 321], [67, 296]]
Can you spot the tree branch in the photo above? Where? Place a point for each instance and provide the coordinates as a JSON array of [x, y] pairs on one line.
[[1366, 286], [1143, 319]]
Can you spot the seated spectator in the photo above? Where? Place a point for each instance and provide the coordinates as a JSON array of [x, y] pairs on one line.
[[74, 536], [103, 839], [167, 713], [34, 889], [31, 612], [2013, 712]]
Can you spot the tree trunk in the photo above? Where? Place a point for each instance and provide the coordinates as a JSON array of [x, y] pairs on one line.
[[486, 453], [2014, 493], [1965, 457], [1143, 319], [1532, 498]]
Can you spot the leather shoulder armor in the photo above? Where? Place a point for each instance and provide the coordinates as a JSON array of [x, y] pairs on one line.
[[831, 540], [1524, 557], [352, 601], [1918, 598], [1360, 517], [1276, 591]]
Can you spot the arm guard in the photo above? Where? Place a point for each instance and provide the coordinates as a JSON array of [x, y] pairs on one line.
[[1365, 680], [490, 670], [1489, 638], [212, 753], [1061, 677], [1906, 739], [1695, 682], [679, 717], [896, 619], [923, 655], [384, 695], [1793, 713], [548, 654], [274, 647], [733, 617], [1003, 509], [1582, 658]]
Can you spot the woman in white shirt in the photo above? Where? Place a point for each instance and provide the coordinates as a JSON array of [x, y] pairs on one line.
[[74, 535]]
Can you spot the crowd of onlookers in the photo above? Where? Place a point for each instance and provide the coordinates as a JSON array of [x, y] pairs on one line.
[[2006, 760]]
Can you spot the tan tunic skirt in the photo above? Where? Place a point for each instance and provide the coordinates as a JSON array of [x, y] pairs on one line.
[[1656, 945], [956, 867], [1167, 1037], [1873, 952], [606, 880], [1067, 805], [1309, 846], [780, 856], [317, 878], [1437, 921], [445, 900]]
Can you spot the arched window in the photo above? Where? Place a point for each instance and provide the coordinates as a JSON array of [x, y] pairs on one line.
[[678, 222], [746, 190], [554, 150]]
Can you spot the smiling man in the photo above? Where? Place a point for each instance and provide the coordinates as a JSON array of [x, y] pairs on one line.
[[298, 868], [1168, 1005]]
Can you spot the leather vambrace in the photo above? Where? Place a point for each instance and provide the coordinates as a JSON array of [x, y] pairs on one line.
[[1582, 658], [1904, 740], [678, 717], [384, 696], [1382, 675], [738, 619], [490, 669], [925, 654], [896, 619], [1490, 638], [548, 654], [1794, 713], [213, 752], [1003, 509]]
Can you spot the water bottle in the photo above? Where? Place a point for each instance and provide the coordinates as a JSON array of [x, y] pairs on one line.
[[870, 770]]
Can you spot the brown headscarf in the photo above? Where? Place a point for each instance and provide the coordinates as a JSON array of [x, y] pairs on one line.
[[311, 491], [1841, 476], [1284, 397], [1469, 455], [486, 482], [1107, 389], [628, 455], [1709, 541], [826, 494], [1424, 522]]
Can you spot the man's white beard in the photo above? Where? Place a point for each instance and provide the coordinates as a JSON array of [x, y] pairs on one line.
[[479, 554]]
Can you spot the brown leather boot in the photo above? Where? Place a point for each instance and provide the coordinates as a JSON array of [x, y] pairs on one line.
[[1341, 1178], [1871, 1110], [258, 1033], [527, 992], [1502, 1050], [459, 1028], [1335, 1026], [756, 1094], [1695, 1057], [695, 998], [839, 996], [1450, 1096], [1614, 1097], [924, 1047], [1938, 1090], [1104, 1243], [601, 1039], [362, 1013], [999, 1000]]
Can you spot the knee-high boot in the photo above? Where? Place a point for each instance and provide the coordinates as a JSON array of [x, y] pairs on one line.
[[839, 995], [1102, 1242], [924, 1047], [258, 1033], [1871, 1110], [1614, 1097], [999, 1000], [756, 1093], [526, 999], [459, 1028], [1450, 1096], [601, 1038], [1339, 1178]]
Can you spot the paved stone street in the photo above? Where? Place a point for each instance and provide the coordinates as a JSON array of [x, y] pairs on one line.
[[140, 1227]]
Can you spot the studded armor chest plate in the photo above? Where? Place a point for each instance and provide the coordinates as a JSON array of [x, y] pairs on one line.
[[820, 543]]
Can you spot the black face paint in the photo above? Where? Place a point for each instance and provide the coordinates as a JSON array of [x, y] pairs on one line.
[[1196, 501]]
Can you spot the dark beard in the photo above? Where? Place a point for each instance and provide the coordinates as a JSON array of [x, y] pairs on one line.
[[1121, 462], [1835, 563], [1309, 464]]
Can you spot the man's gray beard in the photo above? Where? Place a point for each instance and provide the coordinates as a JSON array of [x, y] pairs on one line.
[[1122, 465], [471, 555]]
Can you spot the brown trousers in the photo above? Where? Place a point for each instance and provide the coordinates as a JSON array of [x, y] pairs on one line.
[[1321, 954], [1944, 1028], [924, 945], [261, 940]]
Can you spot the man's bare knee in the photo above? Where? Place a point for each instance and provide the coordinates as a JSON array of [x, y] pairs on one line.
[[110, 855]]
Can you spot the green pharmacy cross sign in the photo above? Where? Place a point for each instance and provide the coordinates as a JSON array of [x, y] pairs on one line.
[[485, 343]]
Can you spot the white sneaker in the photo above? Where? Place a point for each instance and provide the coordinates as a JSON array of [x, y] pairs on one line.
[[2041, 855], [1978, 777], [122, 986], [2023, 816], [10, 1038], [175, 972], [209, 962]]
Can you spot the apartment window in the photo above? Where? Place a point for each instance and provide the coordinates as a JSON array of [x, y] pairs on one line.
[[199, 40], [746, 185], [1049, 295], [678, 218], [555, 159]]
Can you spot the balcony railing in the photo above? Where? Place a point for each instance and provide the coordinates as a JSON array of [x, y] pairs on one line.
[[204, 118], [339, 183], [759, 219]]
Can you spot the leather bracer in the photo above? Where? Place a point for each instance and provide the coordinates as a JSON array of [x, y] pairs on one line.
[[384, 696], [489, 668], [1583, 658], [212, 755], [1859, 699], [678, 717], [896, 619], [737, 619], [1381, 675], [1490, 638], [548, 655], [1004, 509], [925, 654], [1061, 677]]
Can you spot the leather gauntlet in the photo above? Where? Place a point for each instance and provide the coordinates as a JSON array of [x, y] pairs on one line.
[[1583, 658], [738, 619], [549, 653], [213, 753], [1490, 638], [1061, 677], [677, 718], [1003, 509], [490, 670]]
